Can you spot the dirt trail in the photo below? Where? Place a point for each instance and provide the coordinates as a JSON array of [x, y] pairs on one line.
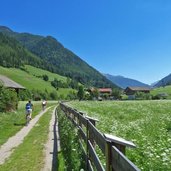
[[7, 148], [53, 145]]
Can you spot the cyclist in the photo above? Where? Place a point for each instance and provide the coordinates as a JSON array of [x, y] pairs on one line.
[[44, 102], [29, 108]]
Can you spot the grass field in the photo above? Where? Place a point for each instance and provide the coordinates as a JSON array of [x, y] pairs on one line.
[[146, 123], [39, 72]]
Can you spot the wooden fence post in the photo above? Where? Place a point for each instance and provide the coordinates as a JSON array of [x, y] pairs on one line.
[[93, 121], [108, 155], [88, 156]]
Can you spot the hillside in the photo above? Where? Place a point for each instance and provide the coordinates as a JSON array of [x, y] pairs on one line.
[[58, 59], [31, 80], [162, 91], [164, 81], [125, 82]]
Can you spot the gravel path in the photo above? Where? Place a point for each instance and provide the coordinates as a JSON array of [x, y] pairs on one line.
[[53, 145], [7, 148]]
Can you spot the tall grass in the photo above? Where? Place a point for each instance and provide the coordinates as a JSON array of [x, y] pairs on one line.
[[71, 151], [146, 123]]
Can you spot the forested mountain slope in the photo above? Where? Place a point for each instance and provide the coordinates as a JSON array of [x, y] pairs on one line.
[[13, 54], [58, 59]]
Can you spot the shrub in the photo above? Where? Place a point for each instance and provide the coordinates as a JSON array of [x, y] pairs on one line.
[[142, 96], [54, 95], [8, 99], [25, 95], [80, 93], [45, 77]]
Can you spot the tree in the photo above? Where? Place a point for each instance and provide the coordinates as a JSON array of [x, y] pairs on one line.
[[45, 77], [116, 93], [54, 95], [94, 93], [80, 93]]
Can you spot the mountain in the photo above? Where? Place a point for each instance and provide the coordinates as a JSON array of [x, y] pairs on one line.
[[153, 84], [125, 82], [5, 29], [164, 81], [59, 59], [13, 54]]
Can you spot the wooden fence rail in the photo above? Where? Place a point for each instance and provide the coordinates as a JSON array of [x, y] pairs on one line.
[[112, 147]]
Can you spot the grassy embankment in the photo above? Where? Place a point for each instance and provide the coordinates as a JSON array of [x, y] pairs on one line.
[[30, 154], [146, 123], [31, 80]]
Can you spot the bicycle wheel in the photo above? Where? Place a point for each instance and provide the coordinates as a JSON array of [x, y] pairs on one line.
[[27, 119]]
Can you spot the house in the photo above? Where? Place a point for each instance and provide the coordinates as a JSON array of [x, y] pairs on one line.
[[105, 91], [101, 92], [131, 91], [6, 82]]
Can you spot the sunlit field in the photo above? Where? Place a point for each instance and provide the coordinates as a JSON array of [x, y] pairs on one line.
[[146, 123]]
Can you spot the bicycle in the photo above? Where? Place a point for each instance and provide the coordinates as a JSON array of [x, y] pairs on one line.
[[44, 105], [28, 117]]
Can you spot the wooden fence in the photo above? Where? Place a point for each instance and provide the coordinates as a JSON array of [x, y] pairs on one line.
[[113, 148]]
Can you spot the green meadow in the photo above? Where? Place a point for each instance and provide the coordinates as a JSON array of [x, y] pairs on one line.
[[146, 123], [39, 72]]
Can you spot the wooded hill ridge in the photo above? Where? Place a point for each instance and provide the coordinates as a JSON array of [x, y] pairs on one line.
[[47, 53]]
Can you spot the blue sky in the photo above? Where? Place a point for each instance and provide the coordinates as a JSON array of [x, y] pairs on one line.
[[131, 38]]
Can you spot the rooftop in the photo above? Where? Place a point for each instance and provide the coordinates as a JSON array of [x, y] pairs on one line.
[[139, 88], [104, 90], [6, 82]]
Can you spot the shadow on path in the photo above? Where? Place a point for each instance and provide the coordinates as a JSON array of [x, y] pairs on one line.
[[55, 145], [19, 124]]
